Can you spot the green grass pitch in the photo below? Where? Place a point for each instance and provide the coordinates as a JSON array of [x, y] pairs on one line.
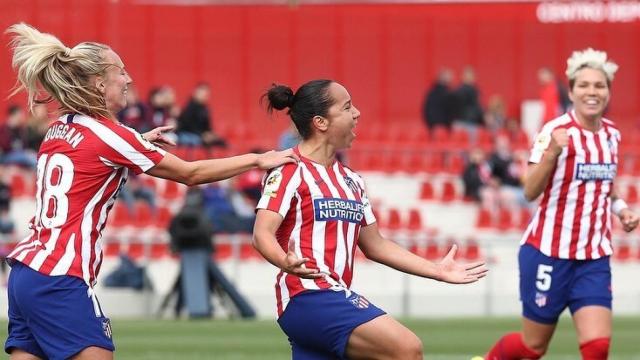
[[240, 340]]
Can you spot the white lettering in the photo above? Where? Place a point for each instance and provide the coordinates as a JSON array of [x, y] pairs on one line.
[[588, 11]]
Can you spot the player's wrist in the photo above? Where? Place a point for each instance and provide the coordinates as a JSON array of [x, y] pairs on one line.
[[618, 206]]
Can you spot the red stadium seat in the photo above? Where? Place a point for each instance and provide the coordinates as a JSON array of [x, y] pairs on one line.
[[111, 248], [426, 191], [248, 252], [394, 221], [484, 139], [415, 220], [119, 216], [459, 140], [525, 217], [434, 163], [135, 250], [622, 252], [471, 251], [505, 219], [142, 215], [456, 164], [18, 185], [159, 250], [632, 194], [223, 251], [171, 190], [484, 220], [163, 218], [432, 251], [448, 191]]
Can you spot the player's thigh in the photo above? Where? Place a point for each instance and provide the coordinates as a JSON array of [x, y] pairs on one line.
[[537, 335], [383, 338], [18, 354], [94, 353], [592, 322]]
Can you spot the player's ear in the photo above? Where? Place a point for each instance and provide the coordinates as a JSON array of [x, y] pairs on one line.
[[99, 82], [321, 123]]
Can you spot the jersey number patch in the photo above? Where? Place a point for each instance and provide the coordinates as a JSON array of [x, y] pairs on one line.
[[543, 282], [55, 176]]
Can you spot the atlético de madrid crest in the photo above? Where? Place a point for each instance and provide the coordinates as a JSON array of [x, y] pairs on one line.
[[359, 301], [351, 184]]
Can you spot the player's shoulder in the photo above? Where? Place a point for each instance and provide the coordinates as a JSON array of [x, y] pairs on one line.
[[286, 171], [561, 122], [610, 125]]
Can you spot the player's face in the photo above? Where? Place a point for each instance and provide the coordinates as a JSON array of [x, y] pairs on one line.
[[343, 117], [590, 93], [115, 83]]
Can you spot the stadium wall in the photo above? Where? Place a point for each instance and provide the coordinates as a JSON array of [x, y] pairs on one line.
[[386, 54]]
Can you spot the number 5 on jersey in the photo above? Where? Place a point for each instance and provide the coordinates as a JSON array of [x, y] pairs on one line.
[[543, 282], [55, 176]]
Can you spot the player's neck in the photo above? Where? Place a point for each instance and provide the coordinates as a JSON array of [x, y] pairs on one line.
[[591, 123], [318, 151]]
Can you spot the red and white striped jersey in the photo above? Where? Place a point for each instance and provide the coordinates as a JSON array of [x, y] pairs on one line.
[[323, 208], [573, 219], [82, 164]]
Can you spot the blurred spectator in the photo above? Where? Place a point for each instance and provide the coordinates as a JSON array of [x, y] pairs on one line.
[[436, 109], [468, 113], [289, 138], [6, 227], [495, 118], [249, 184], [194, 123], [507, 172], [12, 140], [135, 189], [134, 115], [221, 206], [6, 223], [477, 178], [163, 110], [36, 129], [548, 94]]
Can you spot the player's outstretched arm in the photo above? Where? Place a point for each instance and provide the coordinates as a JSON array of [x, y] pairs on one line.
[[264, 240], [377, 248], [205, 171]]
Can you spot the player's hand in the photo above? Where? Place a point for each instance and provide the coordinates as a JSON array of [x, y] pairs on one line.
[[295, 266], [157, 138], [629, 219], [453, 272], [559, 140], [273, 158]]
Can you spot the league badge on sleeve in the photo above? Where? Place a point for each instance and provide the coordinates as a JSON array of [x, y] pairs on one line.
[[272, 183], [541, 143]]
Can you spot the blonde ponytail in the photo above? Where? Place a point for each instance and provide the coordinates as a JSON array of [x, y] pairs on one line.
[[65, 74]]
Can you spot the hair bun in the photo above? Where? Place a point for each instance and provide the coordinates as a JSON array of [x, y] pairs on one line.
[[280, 97]]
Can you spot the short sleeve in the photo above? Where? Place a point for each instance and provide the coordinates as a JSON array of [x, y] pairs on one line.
[[278, 189], [540, 145], [121, 146], [369, 217]]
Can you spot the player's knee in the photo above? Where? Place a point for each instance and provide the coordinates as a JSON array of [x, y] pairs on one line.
[[409, 348], [538, 346], [597, 349]]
